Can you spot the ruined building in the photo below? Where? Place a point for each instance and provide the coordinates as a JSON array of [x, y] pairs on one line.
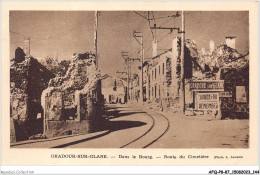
[[57, 67], [28, 78], [215, 83], [73, 103], [46, 102]]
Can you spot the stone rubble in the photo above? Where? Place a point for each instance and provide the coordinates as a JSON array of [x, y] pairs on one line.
[[74, 97]]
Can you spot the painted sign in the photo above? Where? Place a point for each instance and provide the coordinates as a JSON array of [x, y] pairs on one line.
[[208, 105], [207, 97], [225, 94], [208, 101], [241, 94], [207, 85]]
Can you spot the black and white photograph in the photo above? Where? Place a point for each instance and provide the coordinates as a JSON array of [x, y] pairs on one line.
[[129, 79]]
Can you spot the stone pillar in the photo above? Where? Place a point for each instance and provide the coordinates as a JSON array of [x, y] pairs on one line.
[[90, 105], [53, 106], [188, 93], [78, 104]]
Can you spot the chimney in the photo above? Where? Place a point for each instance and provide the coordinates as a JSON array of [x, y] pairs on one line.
[[26, 46], [211, 46], [231, 41], [154, 48], [203, 50], [56, 56]]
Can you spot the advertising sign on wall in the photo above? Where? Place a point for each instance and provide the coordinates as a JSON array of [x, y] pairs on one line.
[[208, 105], [207, 96], [207, 85], [208, 101], [225, 94]]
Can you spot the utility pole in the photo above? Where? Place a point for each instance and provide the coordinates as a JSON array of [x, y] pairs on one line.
[[140, 35], [95, 36], [126, 57], [182, 94], [130, 76], [128, 64], [130, 81]]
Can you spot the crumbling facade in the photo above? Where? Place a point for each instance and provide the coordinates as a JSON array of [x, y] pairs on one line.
[[162, 79], [44, 103], [57, 67], [73, 103], [220, 85], [28, 78]]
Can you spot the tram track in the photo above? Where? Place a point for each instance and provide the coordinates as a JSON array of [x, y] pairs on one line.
[[149, 131], [142, 134]]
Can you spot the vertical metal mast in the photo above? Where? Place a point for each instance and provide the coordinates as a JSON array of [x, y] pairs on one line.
[[142, 72], [182, 92], [140, 35], [95, 36]]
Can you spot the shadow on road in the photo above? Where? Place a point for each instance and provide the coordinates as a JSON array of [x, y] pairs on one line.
[[118, 114], [112, 126], [119, 125], [115, 112], [103, 125], [109, 107]]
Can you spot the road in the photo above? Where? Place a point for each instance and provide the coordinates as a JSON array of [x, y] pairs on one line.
[[127, 128]]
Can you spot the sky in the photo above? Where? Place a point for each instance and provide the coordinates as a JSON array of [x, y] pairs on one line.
[[62, 33]]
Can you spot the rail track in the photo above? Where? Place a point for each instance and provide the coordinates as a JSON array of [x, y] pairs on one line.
[[149, 131]]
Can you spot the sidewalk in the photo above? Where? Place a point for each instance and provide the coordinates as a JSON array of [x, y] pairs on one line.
[[58, 142], [201, 131]]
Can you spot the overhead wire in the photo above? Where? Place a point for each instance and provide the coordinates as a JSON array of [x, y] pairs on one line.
[[140, 15], [49, 38], [151, 32]]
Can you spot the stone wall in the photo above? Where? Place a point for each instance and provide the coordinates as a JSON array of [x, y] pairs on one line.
[[28, 78], [74, 97]]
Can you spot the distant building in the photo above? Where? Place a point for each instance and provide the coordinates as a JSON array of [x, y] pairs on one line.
[[113, 89]]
